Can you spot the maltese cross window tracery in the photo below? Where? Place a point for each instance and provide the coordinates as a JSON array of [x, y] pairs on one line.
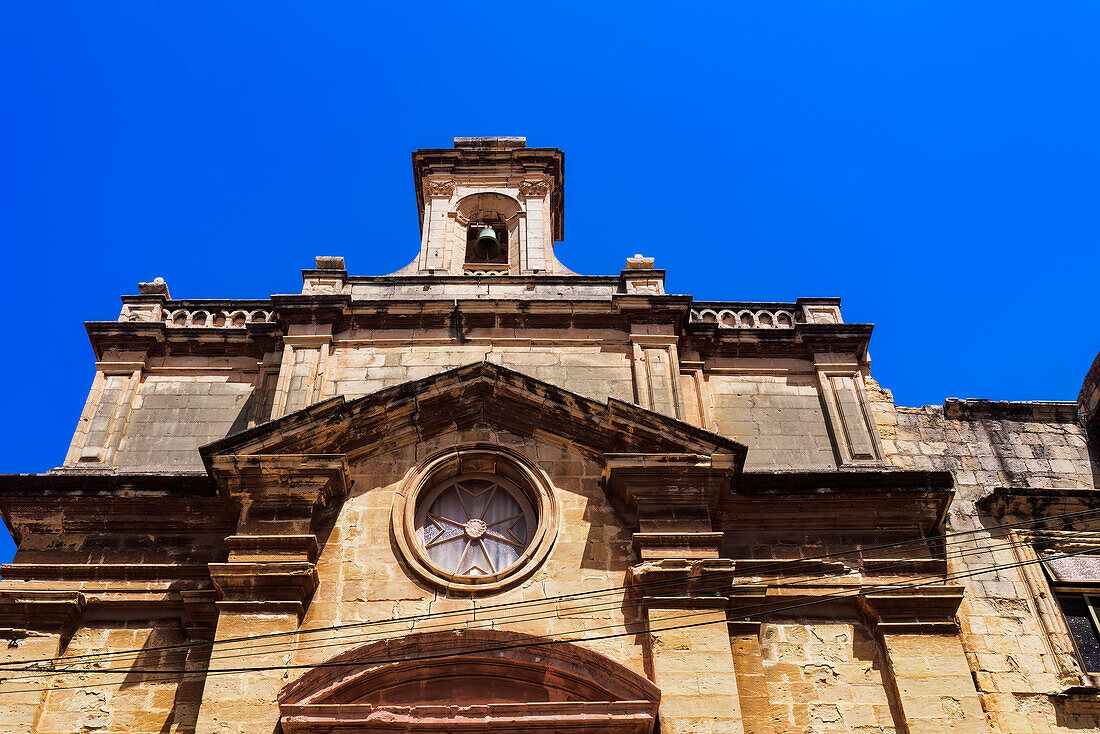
[[475, 525]]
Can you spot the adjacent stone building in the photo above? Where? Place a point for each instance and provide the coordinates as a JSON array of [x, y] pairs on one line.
[[485, 493]]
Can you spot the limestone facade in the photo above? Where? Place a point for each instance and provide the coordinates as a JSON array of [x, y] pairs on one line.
[[662, 514]]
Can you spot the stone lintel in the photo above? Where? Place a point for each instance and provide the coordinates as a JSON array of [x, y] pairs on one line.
[[678, 582], [263, 548], [265, 582], [41, 610], [925, 609]]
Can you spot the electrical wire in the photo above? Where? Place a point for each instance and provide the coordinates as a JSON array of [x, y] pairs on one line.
[[723, 575], [529, 616], [451, 652], [717, 574]]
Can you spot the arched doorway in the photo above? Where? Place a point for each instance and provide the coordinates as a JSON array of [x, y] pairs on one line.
[[469, 680]]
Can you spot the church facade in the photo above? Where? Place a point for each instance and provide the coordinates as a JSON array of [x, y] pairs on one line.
[[486, 493]]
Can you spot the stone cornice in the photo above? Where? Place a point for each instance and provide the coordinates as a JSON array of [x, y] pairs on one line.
[[77, 483], [843, 481], [312, 478], [1040, 410], [1027, 502], [45, 610], [599, 297], [253, 338], [801, 340], [87, 512], [852, 501]]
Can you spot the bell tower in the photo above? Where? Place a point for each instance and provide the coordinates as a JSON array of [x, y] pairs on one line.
[[489, 206]]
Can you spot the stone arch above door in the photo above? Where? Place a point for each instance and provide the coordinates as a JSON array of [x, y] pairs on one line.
[[469, 680]]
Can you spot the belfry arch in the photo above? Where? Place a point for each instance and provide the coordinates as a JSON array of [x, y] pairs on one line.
[[469, 680]]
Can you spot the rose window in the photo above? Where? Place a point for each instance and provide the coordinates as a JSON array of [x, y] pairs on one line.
[[475, 525], [475, 519]]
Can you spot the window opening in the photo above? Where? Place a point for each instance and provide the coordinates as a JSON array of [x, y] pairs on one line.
[[487, 242], [1080, 613], [475, 525]]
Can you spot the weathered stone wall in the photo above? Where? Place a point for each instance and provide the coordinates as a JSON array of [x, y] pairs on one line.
[[778, 416], [173, 416], [987, 446], [131, 702], [595, 371], [812, 676]]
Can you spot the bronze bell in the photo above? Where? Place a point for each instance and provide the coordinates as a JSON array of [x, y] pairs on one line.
[[487, 246]]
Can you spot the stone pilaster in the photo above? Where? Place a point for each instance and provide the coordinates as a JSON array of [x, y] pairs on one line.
[[107, 409], [303, 369], [267, 580], [20, 703], [927, 674], [689, 644], [680, 583], [851, 427], [243, 703], [694, 669], [656, 368]]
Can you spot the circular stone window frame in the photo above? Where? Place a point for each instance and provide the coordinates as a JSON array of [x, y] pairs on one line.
[[466, 460]]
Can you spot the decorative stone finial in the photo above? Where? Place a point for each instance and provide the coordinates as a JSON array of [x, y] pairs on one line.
[[639, 262], [156, 288]]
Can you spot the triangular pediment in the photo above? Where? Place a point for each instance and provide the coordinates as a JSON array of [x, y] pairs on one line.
[[481, 393]]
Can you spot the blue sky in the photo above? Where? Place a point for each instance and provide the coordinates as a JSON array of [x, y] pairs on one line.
[[934, 164]]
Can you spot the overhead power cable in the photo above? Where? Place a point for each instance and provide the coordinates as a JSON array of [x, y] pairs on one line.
[[703, 577], [724, 575], [451, 652], [534, 615]]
